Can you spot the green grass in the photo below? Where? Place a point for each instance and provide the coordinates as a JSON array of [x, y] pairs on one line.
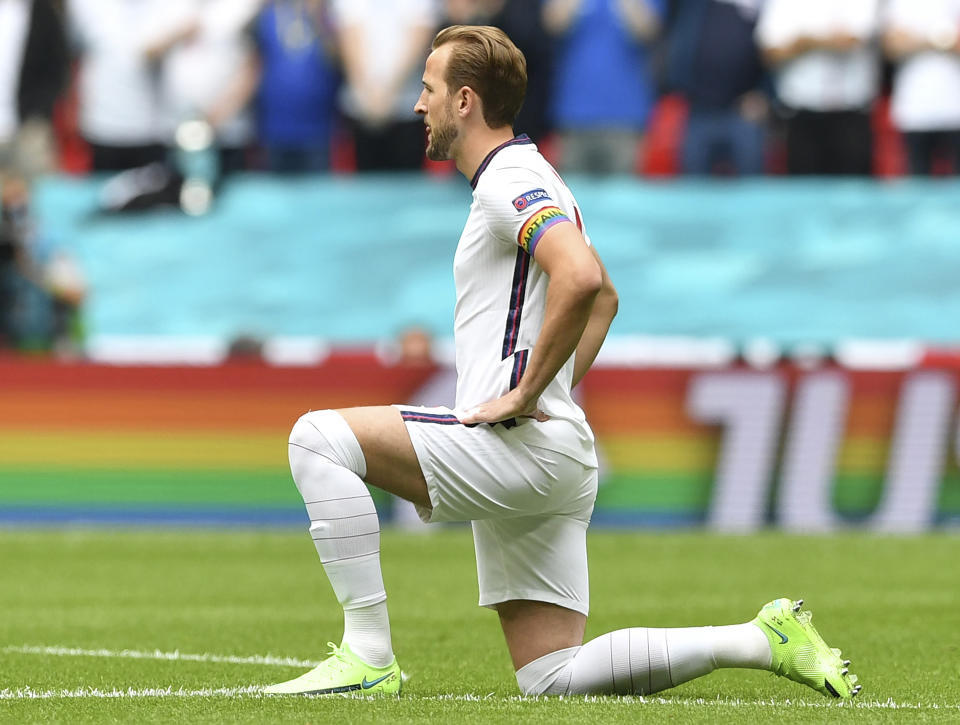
[[890, 603]]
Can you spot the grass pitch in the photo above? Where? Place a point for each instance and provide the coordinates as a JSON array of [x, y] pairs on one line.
[[149, 626]]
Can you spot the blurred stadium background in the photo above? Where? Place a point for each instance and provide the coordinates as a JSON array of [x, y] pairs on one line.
[[786, 353], [217, 215]]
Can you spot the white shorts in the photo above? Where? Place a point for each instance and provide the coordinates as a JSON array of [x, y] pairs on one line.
[[530, 506]]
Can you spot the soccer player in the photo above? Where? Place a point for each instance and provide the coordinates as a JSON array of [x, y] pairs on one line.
[[515, 456]]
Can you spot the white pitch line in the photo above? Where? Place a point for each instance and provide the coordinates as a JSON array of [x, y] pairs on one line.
[[254, 692], [175, 656], [96, 693]]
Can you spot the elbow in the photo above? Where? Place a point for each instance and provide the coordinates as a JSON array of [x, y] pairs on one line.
[[607, 301], [589, 282], [612, 301]]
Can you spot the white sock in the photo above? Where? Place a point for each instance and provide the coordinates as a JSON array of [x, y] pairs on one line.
[[367, 631], [328, 465], [643, 661]]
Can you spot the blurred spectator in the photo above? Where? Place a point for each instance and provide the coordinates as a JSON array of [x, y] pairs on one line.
[[296, 103], [603, 91], [464, 12], [211, 73], [415, 347], [383, 44], [827, 69], [522, 21], [207, 71], [41, 288], [714, 63], [245, 349], [33, 65], [12, 262], [923, 40], [118, 42]]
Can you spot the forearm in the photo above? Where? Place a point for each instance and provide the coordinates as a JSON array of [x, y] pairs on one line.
[[900, 44], [839, 42], [558, 15], [411, 56], [353, 51], [605, 308], [595, 332], [640, 19], [777, 55], [568, 311], [155, 48], [237, 94], [576, 277]]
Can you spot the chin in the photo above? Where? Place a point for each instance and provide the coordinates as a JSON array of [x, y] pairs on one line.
[[433, 155]]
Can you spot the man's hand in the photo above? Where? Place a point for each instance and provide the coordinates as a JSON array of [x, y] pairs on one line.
[[511, 405]]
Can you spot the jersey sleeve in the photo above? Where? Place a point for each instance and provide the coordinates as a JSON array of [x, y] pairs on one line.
[[520, 208]]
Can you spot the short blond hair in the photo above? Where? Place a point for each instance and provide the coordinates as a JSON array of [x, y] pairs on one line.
[[486, 60]]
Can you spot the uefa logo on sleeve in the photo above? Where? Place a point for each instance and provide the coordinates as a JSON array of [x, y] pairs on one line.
[[531, 197]]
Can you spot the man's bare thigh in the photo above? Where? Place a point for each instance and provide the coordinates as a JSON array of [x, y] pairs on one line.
[[392, 463]]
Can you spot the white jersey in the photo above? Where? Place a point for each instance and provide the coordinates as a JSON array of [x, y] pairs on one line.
[[502, 291], [926, 85]]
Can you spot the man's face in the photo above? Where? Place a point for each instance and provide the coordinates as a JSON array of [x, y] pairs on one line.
[[436, 107]]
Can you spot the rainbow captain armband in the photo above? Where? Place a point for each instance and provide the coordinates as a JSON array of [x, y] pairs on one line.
[[537, 225]]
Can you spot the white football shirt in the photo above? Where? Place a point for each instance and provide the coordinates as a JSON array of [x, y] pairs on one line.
[[823, 80], [501, 292], [926, 85]]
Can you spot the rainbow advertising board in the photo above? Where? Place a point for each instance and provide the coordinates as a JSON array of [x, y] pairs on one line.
[[731, 447]]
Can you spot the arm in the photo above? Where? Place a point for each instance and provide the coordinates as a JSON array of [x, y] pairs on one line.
[[779, 54], [417, 39], [158, 46], [558, 15], [640, 19], [576, 279], [839, 42], [353, 51], [377, 97], [781, 36], [899, 44], [604, 310], [237, 93], [351, 41]]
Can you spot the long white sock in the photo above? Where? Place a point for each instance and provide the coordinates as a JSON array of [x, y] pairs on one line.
[[328, 465], [643, 661]]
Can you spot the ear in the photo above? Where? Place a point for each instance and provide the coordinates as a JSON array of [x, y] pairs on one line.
[[466, 101]]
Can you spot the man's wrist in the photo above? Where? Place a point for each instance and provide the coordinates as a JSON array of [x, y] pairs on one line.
[[527, 396]]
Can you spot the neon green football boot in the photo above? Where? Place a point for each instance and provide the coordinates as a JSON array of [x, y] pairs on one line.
[[799, 652], [343, 673]]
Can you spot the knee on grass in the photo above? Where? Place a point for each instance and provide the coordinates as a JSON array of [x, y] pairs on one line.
[[547, 675]]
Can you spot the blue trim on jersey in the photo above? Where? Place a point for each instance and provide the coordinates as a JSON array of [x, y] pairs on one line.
[[416, 416], [519, 365], [521, 139], [518, 292]]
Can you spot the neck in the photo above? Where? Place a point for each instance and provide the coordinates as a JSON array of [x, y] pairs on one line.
[[476, 145]]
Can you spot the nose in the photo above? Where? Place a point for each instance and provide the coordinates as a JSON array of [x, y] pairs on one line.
[[420, 107]]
